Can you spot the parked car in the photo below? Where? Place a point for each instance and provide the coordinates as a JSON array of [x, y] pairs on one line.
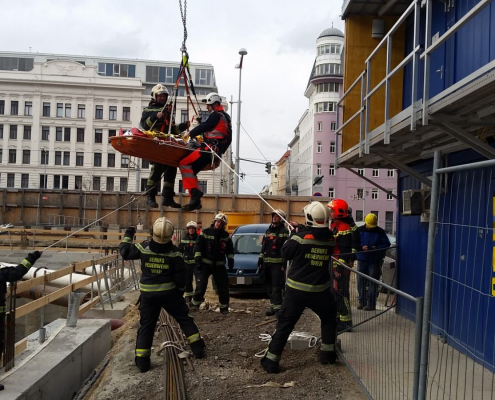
[[247, 247]]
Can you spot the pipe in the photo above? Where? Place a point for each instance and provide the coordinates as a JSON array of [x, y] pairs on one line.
[[62, 281], [37, 292]]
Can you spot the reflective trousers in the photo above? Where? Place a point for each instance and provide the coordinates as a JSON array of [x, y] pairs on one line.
[[222, 281], [275, 284]]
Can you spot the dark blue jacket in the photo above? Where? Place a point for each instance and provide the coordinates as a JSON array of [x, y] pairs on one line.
[[375, 237]]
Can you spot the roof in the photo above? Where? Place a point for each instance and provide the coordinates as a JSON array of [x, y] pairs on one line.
[[377, 8], [286, 155], [331, 32]]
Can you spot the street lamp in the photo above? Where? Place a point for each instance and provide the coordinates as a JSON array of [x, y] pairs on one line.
[[242, 53]]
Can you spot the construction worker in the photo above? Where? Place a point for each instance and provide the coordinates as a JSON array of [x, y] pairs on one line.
[[156, 117], [213, 246], [271, 264], [162, 285], [186, 247], [308, 285], [12, 274], [345, 239], [217, 134]]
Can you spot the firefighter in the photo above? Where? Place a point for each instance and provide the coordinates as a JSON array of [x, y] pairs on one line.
[[162, 285], [186, 247], [156, 118], [213, 246], [308, 285], [271, 264], [346, 238], [217, 134], [12, 274]]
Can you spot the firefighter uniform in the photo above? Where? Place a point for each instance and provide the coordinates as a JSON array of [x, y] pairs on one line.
[[162, 283], [212, 248], [308, 285], [273, 264], [186, 247]]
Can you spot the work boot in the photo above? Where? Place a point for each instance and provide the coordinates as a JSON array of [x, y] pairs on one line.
[[198, 348], [143, 363], [272, 367], [195, 202], [224, 310], [328, 357], [168, 198], [270, 312], [193, 307], [360, 306], [2, 387], [150, 196], [369, 308]]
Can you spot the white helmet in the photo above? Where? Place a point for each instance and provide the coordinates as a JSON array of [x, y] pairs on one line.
[[212, 98], [192, 224], [221, 217], [158, 89], [280, 213], [316, 215], [162, 230]]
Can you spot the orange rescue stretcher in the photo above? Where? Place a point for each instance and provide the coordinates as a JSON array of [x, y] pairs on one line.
[[157, 147]]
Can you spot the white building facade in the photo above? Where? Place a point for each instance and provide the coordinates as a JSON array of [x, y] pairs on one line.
[[58, 111]]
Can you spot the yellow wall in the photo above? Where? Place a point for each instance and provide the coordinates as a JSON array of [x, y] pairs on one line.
[[358, 46]]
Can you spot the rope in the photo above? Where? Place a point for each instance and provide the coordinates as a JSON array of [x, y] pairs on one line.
[[265, 337]]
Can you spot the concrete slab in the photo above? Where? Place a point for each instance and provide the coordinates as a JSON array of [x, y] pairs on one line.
[[59, 369], [118, 311]]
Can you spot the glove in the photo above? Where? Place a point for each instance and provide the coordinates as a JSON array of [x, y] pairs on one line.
[[260, 262], [131, 231], [231, 264], [32, 257]]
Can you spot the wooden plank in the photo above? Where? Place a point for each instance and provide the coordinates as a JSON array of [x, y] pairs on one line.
[[35, 304], [20, 346], [39, 280], [86, 306]]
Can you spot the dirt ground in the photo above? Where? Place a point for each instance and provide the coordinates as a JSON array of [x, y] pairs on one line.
[[230, 370]]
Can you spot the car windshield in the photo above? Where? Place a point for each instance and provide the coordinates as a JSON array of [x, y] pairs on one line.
[[247, 243]]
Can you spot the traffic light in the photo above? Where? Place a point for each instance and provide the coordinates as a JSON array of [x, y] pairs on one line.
[[268, 167]]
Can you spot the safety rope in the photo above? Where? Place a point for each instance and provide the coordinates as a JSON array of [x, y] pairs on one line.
[[265, 337]]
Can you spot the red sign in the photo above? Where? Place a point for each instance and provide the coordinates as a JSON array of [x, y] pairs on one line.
[[317, 194], [45, 198]]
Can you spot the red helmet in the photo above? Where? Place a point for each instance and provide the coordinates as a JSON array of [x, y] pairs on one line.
[[340, 207]]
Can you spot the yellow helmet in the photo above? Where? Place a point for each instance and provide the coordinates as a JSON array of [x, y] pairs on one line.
[[371, 220], [158, 89], [163, 230]]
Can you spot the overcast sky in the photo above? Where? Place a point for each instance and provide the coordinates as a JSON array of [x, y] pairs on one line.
[[279, 36]]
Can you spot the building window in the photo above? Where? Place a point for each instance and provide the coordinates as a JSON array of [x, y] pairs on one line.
[[27, 132], [389, 196], [203, 77], [112, 132], [111, 160], [145, 164], [56, 181], [113, 113], [183, 116], [26, 156], [144, 184], [58, 158], [28, 108], [58, 134], [329, 87], [97, 159], [375, 173], [99, 112], [121, 70], [96, 183], [45, 155], [46, 109], [123, 184], [110, 184], [124, 161], [360, 171], [65, 181], [126, 114], [374, 194], [12, 156], [78, 182], [66, 134], [319, 126], [325, 106], [79, 159], [389, 222], [359, 215], [391, 173], [333, 126], [318, 147], [66, 157], [318, 169], [98, 136], [1, 131], [360, 193], [2, 107], [14, 107], [332, 147], [67, 110], [80, 135], [331, 193], [1, 156], [13, 132], [329, 49], [45, 133], [24, 181], [60, 110], [328, 69], [42, 181], [161, 74], [16, 64], [10, 180], [331, 169], [81, 111]]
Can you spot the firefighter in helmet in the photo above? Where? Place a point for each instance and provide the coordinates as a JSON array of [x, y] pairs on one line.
[[186, 247]]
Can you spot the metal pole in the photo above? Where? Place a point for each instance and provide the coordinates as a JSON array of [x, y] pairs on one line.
[[417, 345], [430, 258], [238, 136]]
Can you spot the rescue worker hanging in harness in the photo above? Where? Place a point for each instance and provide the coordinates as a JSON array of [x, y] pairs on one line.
[[217, 134], [162, 285], [347, 243], [271, 264], [186, 247], [12, 274], [157, 118], [213, 246], [308, 285]]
